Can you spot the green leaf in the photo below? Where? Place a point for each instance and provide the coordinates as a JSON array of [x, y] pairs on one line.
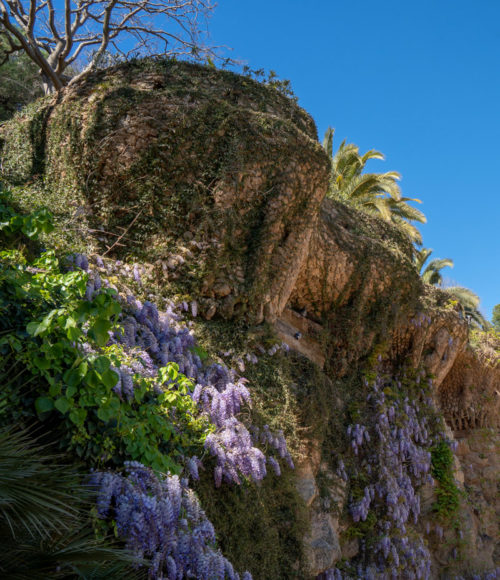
[[102, 364], [44, 404], [32, 328], [77, 416], [62, 404], [99, 331], [71, 391], [55, 389], [168, 397], [73, 377], [173, 370], [42, 363], [93, 378], [109, 378], [105, 414], [73, 333]]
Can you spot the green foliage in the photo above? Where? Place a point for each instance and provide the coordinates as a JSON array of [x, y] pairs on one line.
[[447, 493], [271, 79], [469, 304], [61, 338], [432, 271], [45, 528], [13, 223], [495, 319], [20, 82], [466, 299], [261, 528], [265, 531]]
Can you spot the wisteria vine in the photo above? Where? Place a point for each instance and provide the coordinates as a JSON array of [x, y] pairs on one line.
[[393, 449], [162, 520], [159, 516]]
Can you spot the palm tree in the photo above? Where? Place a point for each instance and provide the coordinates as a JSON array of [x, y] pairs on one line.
[[432, 272], [467, 299], [374, 193], [45, 527], [469, 302]]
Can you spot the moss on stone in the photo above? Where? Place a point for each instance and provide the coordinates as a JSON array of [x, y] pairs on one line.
[[153, 150]]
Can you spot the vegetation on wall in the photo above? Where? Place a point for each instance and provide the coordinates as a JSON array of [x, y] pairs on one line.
[[20, 82], [86, 367], [447, 493], [191, 426]]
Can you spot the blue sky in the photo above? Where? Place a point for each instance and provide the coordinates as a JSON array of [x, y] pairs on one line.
[[419, 81]]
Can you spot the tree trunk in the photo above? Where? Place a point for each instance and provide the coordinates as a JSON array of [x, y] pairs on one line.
[[48, 85]]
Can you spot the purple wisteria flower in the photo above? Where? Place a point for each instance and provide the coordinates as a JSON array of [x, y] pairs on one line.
[[161, 520], [394, 449]]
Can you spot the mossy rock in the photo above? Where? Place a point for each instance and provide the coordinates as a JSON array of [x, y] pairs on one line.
[[140, 159]]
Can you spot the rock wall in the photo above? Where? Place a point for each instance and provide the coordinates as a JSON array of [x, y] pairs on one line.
[[218, 183]]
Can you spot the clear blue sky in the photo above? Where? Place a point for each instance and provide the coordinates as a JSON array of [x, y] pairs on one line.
[[419, 81]]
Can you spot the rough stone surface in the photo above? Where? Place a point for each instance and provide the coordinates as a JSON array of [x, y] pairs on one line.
[[155, 150], [218, 184], [322, 543], [470, 393]]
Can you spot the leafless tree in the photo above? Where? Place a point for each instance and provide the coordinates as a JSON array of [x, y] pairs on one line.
[[57, 34]]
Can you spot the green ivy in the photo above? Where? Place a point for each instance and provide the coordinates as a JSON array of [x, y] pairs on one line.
[[61, 340], [447, 493]]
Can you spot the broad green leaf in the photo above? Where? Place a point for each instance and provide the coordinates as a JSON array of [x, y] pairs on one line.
[[55, 389], [32, 328], [73, 332], [42, 363], [83, 368], [77, 416], [102, 364], [99, 331], [105, 414], [73, 377], [109, 378], [44, 404], [62, 404], [93, 378]]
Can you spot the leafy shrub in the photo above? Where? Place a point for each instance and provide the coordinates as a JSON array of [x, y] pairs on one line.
[[108, 378]]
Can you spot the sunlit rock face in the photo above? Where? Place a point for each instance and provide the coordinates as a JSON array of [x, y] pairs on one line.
[[213, 177], [470, 392], [217, 184]]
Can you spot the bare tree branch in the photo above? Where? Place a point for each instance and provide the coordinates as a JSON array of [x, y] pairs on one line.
[[56, 37]]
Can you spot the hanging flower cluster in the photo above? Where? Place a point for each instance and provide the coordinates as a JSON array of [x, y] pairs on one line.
[[393, 449], [219, 392], [159, 516], [162, 520]]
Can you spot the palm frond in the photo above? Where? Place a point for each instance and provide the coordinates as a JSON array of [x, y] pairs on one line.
[[45, 527], [408, 229], [372, 154], [374, 193], [328, 141], [469, 301], [432, 272], [421, 257], [406, 211], [24, 502], [466, 297]]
